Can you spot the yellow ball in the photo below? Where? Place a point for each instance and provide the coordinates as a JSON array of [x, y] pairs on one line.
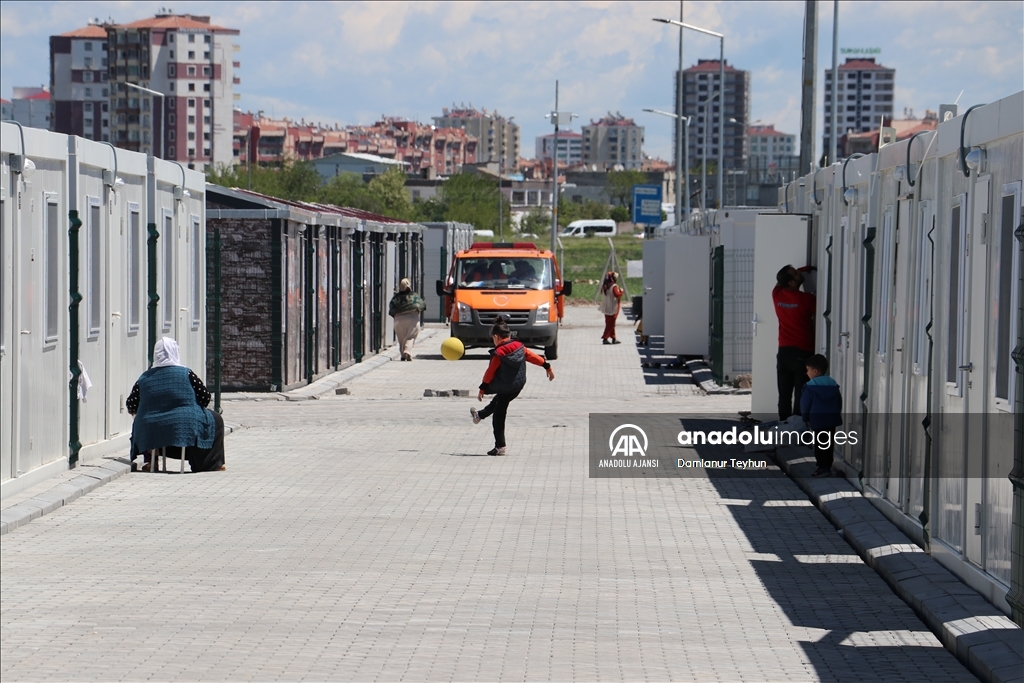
[[452, 348]]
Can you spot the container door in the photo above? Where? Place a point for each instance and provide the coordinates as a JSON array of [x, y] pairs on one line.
[[93, 315], [114, 378], [389, 291], [976, 332], [899, 337], [879, 357], [654, 287], [779, 239], [687, 295]]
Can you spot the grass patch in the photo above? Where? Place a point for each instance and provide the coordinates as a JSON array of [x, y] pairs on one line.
[[585, 259]]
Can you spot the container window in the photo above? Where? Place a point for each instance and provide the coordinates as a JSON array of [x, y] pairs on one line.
[[197, 272], [955, 303], [167, 295], [51, 315], [1006, 334], [95, 270], [134, 270]]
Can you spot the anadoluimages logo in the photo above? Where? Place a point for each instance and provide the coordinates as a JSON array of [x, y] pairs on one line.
[[628, 443]]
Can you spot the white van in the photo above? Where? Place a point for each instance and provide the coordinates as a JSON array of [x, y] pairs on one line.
[[604, 227]]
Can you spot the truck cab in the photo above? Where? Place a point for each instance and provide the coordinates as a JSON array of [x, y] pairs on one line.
[[514, 279]]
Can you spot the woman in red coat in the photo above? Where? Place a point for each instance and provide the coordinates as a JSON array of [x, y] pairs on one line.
[[611, 302]]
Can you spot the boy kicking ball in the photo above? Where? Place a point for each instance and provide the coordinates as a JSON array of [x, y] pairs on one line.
[[505, 378]]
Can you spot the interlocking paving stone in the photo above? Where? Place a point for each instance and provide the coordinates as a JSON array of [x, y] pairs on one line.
[[367, 537]]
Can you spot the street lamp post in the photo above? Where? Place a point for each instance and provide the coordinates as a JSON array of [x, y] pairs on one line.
[[721, 93], [556, 117], [681, 159], [682, 203], [152, 125], [501, 165]]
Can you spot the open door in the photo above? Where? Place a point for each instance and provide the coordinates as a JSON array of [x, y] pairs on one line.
[[779, 239]]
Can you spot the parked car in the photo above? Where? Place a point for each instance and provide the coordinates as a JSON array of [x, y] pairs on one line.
[[604, 227]]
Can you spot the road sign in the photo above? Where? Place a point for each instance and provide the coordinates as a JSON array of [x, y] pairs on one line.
[[647, 204]]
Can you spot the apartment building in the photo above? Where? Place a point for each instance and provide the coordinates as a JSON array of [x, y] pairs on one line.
[[79, 94], [612, 142], [29, 107], [700, 101], [570, 147], [769, 146], [864, 96], [497, 137]]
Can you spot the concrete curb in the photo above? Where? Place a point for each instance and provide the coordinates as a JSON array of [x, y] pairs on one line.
[[328, 384], [985, 640], [90, 477]]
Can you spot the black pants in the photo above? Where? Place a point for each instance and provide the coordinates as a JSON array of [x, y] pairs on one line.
[[203, 459], [823, 454], [792, 375], [498, 407]]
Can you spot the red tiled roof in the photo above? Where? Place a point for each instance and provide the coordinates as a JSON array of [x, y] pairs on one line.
[[178, 22], [38, 96], [765, 130], [91, 31], [709, 65], [860, 64]]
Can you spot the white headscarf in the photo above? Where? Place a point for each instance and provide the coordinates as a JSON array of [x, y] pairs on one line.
[[165, 353]]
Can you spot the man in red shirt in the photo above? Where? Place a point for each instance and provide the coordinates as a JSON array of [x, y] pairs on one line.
[[795, 310]]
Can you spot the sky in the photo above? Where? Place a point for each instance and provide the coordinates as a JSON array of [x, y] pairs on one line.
[[351, 62]]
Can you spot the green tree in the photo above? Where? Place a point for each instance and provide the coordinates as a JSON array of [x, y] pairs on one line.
[[569, 212], [592, 210], [620, 214], [472, 198], [298, 181], [536, 222], [387, 191], [620, 186]]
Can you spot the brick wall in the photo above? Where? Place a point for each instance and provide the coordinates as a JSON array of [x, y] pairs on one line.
[[245, 303]]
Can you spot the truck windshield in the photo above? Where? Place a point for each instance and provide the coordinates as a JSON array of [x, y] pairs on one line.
[[504, 273]]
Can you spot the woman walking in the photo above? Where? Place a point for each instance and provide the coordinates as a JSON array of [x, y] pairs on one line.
[[405, 307], [611, 302]]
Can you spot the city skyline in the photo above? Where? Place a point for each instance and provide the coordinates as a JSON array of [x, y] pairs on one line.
[[618, 59]]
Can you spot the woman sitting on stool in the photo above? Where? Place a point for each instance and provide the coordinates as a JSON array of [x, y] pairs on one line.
[[169, 404]]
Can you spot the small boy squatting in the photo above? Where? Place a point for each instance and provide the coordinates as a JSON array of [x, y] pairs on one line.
[[505, 378], [821, 405]]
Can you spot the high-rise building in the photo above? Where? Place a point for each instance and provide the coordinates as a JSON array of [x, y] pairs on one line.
[[700, 101], [863, 97], [497, 137], [78, 83], [570, 147], [613, 141]]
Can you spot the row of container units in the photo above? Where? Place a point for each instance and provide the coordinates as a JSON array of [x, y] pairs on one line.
[[441, 241], [299, 290], [699, 288], [919, 256], [102, 252]]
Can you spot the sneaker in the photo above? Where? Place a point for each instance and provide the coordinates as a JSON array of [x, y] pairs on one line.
[[476, 416], [496, 451]]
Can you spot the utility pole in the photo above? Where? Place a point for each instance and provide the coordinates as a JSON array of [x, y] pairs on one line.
[[501, 232], [554, 176], [810, 78], [681, 201], [833, 138]]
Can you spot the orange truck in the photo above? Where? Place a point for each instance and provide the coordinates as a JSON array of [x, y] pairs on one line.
[[514, 279]]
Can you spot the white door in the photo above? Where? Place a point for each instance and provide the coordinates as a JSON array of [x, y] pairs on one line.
[[687, 295], [977, 317], [6, 338], [900, 337], [654, 287], [116, 310], [779, 239], [389, 291]]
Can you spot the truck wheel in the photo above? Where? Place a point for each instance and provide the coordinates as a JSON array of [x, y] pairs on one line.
[[551, 352]]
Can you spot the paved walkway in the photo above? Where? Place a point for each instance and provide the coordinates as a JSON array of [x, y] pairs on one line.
[[365, 537]]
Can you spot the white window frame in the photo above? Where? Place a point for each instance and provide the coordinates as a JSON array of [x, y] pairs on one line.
[[923, 291], [135, 269], [1008, 190], [196, 253], [167, 279], [94, 242], [956, 345], [51, 271]]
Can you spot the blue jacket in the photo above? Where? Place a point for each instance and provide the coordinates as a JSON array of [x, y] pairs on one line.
[[168, 413], [821, 403]]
